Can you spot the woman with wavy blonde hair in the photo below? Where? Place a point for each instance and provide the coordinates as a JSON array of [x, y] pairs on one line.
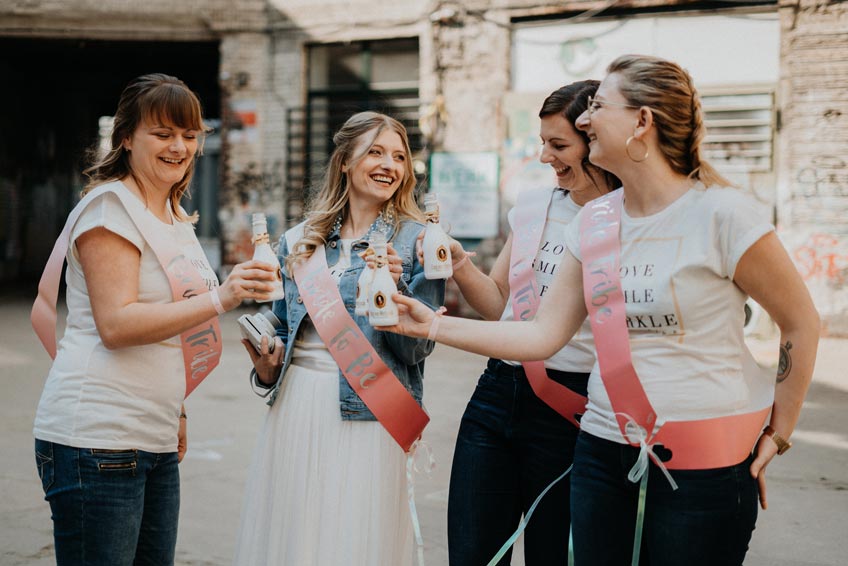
[[662, 269], [333, 198], [328, 483]]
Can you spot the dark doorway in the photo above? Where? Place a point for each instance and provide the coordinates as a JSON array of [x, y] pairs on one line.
[[54, 92]]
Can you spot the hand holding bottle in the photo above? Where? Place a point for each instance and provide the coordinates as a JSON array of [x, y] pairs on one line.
[[436, 244], [381, 307], [395, 261], [249, 280], [414, 317], [458, 253], [262, 252]]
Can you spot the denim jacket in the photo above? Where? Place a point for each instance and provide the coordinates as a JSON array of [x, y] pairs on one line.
[[402, 354]]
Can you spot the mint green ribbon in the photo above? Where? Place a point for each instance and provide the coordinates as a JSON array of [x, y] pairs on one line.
[[570, 546], [634, 433], [524, 520], [412, 466]]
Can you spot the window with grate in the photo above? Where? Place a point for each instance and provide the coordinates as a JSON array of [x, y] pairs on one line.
[[741, 124], [345, 79]]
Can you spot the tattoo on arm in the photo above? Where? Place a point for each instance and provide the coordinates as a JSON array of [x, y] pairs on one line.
[[784, 365]]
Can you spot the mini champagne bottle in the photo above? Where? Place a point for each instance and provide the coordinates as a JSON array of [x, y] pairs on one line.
[[436, 245], [262, 252], [382, 310], [363, 286]]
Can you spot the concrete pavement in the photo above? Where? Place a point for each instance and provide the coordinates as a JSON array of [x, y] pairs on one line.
[[807, 489]]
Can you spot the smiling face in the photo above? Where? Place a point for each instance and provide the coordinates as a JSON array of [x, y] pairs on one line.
[[564, 150], [378, 174], [160, 153], [609, 125]]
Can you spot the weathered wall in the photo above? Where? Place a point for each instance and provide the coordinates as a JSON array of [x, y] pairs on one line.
[[465, 58], [813, 174], [129, 19]]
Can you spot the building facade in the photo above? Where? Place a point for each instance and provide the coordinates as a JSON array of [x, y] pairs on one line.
[[278, 76]]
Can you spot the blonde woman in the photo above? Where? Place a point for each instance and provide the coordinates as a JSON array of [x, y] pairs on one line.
[[663, 271], [327, 484]]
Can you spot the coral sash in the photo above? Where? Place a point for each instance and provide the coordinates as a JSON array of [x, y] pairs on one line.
[[698, 444], [201, 344], [371, 379], [531, 213]]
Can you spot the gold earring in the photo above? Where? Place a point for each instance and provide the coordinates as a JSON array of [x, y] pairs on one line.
[[627, 149]]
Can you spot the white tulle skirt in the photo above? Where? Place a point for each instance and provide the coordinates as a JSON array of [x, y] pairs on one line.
[[322, 491]]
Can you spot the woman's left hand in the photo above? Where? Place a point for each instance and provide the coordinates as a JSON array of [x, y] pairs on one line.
[[414, 317], [182, 439], [765, 451], [395, 262]]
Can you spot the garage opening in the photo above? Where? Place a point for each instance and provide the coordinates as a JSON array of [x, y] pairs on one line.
[[55, 93]]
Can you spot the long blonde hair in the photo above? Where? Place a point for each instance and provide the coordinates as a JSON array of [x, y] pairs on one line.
[[160, 98], [333, 194], [670, 93]]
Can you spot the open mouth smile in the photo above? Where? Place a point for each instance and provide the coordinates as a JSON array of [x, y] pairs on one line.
[[383, 179]]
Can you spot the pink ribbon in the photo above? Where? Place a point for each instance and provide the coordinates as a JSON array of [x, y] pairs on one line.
[[699, 444], [531, 213]]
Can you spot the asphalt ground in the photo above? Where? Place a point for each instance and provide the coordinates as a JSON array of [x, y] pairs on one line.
[[805, 524]]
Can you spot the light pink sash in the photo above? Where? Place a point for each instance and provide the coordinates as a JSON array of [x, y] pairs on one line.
[[371, 379], [531, 213], [201, 344], [698, 444]]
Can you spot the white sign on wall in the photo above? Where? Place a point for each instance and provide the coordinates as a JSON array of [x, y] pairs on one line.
[[721, 49], [467, 186]]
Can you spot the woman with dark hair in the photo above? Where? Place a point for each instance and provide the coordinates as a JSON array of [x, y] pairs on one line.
[[141, 333], [671, 455], [328, 481], [518, 431]]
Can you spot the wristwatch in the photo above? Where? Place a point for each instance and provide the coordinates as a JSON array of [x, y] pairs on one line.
[[782, 444]]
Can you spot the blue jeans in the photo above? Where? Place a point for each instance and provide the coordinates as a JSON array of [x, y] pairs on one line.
[[110, 507], [707, 521], [510, 446]]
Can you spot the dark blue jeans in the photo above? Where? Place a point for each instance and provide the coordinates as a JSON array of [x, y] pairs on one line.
[[510, 446], [110, 507], [707, 521]]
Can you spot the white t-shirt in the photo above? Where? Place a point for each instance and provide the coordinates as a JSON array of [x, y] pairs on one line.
[[579, 354], [124, 398], [684, 313]]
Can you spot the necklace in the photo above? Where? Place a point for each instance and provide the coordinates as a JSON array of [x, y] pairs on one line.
[[383, 223]]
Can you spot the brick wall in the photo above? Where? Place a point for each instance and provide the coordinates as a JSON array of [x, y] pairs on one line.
[[813, 173]]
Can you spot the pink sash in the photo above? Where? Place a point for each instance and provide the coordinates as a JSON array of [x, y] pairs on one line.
[[699, 444], [530, 218], [371, 379], [201, 344]]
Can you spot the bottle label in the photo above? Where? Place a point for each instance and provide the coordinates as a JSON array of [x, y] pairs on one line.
[[380, 300], [259, 239]]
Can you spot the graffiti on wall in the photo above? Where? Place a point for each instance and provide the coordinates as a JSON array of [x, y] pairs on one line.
[[825, 176], [824, 258]]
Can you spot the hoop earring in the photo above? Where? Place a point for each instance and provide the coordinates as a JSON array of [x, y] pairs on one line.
[[627, 149]]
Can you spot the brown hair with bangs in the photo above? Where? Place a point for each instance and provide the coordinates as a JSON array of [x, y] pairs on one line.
[[157, 98]]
